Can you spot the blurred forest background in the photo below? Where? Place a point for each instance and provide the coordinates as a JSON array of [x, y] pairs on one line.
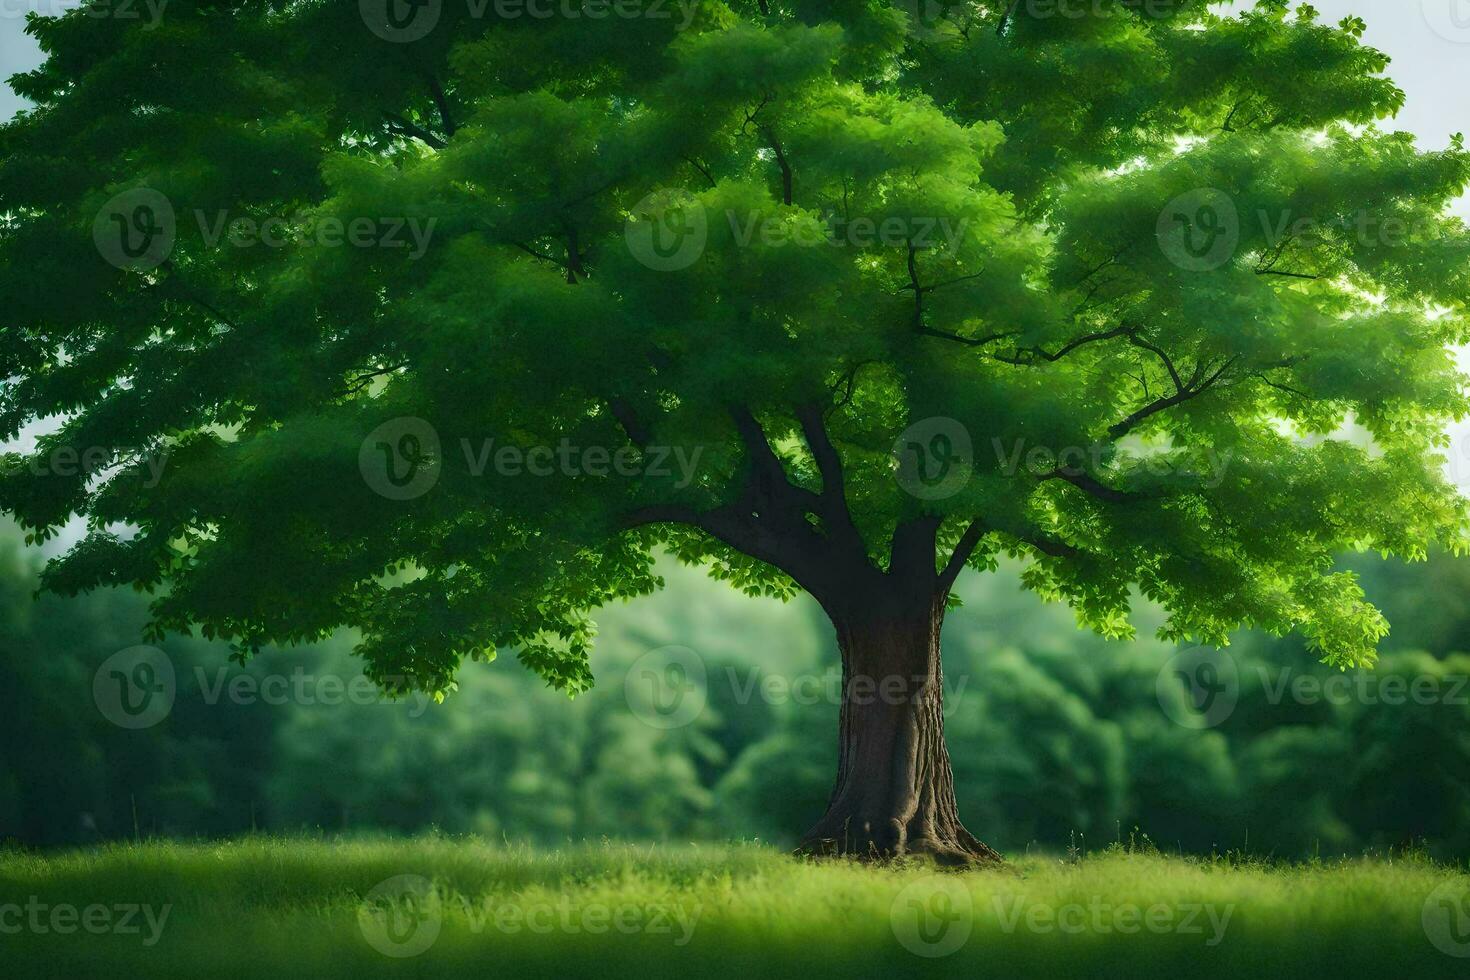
[[1059, 739]]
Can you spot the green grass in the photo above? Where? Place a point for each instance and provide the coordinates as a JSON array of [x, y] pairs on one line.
[[282, 908]]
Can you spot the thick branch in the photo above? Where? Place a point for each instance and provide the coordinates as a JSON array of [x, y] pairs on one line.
[[963, 549], [1050, 547], [400, 126], [1045, 544], [767, 473], [911, 555], [441, 102], [1067, 348], [1090, 484], [1195, 387], [835, 512], [919, 291], [786, 178], [633, 427]]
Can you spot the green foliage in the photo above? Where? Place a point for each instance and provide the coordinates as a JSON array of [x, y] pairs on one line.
[[1025, 160]]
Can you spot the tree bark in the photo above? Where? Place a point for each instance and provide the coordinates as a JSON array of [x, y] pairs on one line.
[[894, 794]]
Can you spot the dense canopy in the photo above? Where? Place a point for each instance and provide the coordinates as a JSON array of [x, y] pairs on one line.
[[1120, 278]]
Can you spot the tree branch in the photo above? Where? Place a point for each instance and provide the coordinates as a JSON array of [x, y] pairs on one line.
[[1068, 348], [400, 126], [638, 433], [441, 101], [911, 552], [1005, 17], [1187, 391], [963, 549], [786, 178], [1090, 484], [834, 510]]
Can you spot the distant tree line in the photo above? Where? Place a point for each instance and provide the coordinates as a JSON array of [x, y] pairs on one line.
[[1058, 738]]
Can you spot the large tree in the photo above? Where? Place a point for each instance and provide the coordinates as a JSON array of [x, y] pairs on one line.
[[834, 296]]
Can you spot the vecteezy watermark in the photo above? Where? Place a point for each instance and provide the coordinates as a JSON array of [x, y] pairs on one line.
[[1363, 687], [300, 687], [401, 458], [69, 461], [667, 230], [62, 919], [828, 687], [925, 16], [1202, 230], [321, 231], [1081, 9], [404, 915], [667, 688], [135, 688], [1446, 918], [138, 230], [406, 21], [568, 459], [150, 12], [1207, 465], [1199, 687], [933, 917], [138, 688], [1101, 916], [934, 458], [1457, 467], [1450, 19], [938, 234]]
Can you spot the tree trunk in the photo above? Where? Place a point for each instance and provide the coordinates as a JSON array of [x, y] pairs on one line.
[[895, 790]]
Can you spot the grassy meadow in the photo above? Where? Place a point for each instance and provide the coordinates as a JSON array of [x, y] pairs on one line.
[[267, 907]]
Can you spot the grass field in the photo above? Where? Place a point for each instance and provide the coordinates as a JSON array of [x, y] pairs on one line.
[[440, 907]]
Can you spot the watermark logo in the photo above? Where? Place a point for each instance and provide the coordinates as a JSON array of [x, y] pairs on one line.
[[121, 919], [1200, 231], [230, 685], [1208, 466], [1446, 918], [411, 234], [136, 230], [1101, 917], [401, 21], [1210, 681], [135, 688], [667, 688], [150, 12], [833, 687], [932, 917], [1100, 9], [1450, 19], [939, 234], [934, 458], [667, 230], [570, 460], [402, 916], [72, 461], [924, 16], [401, 459]]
